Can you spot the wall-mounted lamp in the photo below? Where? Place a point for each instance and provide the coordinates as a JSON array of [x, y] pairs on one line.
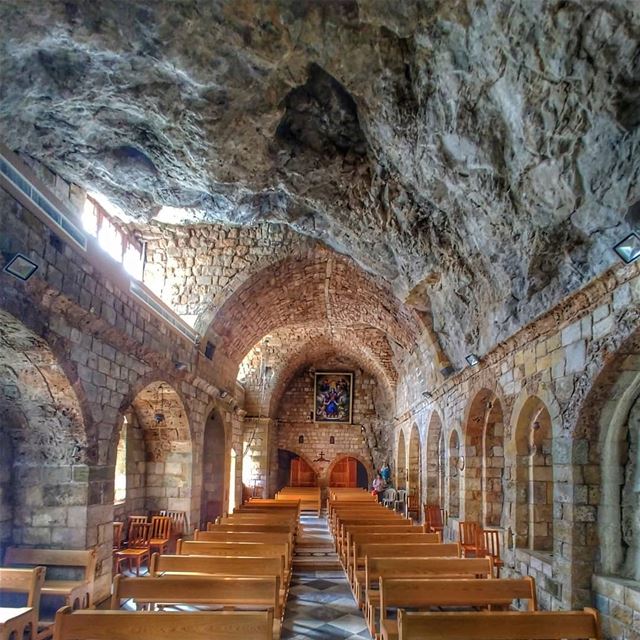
[[180, 366], [472, 359], [427, 395], [223, 393], [535, 426], [21, 267], [628, 250]]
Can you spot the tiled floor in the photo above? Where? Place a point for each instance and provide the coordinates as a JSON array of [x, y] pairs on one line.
[[320, 604]]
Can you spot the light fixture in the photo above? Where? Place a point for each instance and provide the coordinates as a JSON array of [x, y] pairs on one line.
[[427, 395], [448, 371], [21, 267], [472, 359], [180, 366], [223, 393], [159, 415], [628, 249]]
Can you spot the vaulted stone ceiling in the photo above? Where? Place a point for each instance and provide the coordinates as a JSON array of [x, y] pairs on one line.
[[480, 156]]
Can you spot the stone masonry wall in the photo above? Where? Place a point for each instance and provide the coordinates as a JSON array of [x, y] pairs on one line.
[[556, 359]]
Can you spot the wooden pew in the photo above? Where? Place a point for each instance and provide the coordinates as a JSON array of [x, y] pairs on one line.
[[256, 549], [249, 528], [345, 523], [25, 620], [368, 592], [241, 566], [402, 593], [348, 531], [77, 593], [244, 536], [401, 550], [309, 497], [355, 557], [500, 625], [230, 592], [147, 625]]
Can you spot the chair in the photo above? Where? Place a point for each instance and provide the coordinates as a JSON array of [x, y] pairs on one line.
[[434, 518], [118, 528], [401, 500], [389, 497], [137, 549], [468, 538], [131, 520], [488, 544], [160, 533], [413, 506]]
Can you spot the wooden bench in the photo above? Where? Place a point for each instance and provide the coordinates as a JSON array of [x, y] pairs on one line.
[[368, 593], [401, 550], [23, 620], [246, 536], [347, 532], [255, 549], [500, 625], [230, 592], [355, 558], [148, 625], [402, 593], [242, 566], [77, 593], [344, 524], [309, 497]]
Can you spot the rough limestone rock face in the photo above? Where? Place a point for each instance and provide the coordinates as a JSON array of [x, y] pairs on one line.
[[481, 156]]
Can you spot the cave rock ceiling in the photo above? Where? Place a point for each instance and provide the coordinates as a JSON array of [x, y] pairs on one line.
[[480, 156]]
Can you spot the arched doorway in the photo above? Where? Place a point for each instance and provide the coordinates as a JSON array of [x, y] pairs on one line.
[[534, 477], [401, 463], [348, 472], [415, 458], [213, 456], [294, 471], [434, 489], [42, 445]]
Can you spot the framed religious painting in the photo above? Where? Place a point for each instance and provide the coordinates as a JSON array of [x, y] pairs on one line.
[[333, 397]]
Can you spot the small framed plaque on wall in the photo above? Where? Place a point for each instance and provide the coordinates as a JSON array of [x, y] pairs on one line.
[[333, 397]]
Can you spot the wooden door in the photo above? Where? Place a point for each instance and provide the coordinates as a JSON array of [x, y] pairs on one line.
[[344, 473], [302, 475]]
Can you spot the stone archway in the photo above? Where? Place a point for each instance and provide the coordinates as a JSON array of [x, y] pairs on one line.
[[434, 489], [484, 460], [414, 465], [534, 476], [212, 501], [454, 475], [44, 445], [401, 462], [159, 451]]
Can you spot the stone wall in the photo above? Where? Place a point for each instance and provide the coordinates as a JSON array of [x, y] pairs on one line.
[[108, 347], [295, 419], [553, 363]]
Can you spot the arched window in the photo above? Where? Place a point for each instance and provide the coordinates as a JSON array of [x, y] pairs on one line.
[[120, 486]]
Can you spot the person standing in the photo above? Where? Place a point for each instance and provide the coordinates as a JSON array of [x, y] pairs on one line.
[[379, 486]]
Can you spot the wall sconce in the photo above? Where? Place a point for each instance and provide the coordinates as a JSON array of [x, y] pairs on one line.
[[427, 395], [628, 250], [460, 463], [300, 439], [535, 426], [223, 393], [21, 267], [332, 440], [472, 359]]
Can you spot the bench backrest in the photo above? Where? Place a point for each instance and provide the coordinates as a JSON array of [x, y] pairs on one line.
[[230, 591], [423, 593], [457, 568], [217, 565], [250, 528], [500, 625], [258, 549], [243, 536], [28, 581], [146, 625], [16, 556], [399, 550]]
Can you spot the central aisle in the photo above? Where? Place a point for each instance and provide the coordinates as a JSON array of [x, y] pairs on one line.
[[320, 604]]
